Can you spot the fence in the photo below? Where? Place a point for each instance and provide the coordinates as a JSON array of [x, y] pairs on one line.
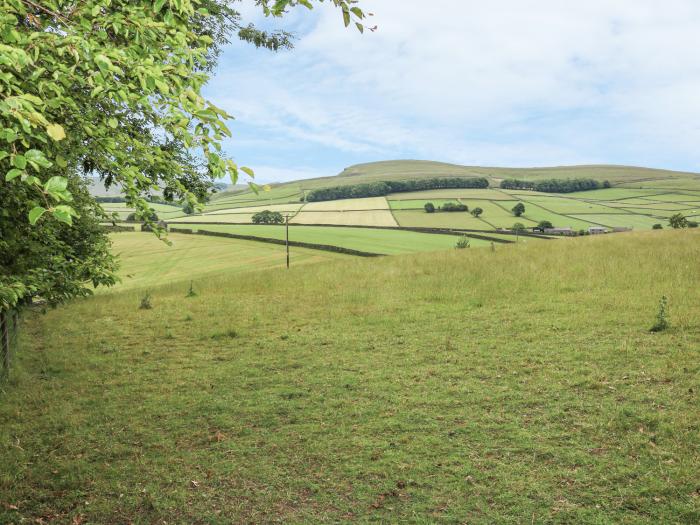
[[9, 327]]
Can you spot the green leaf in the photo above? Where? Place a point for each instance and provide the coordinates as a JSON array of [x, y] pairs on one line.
[[346, 17], [12, 174], [56, 132], [18, 161], [248, 171], [64, 214], [56, 185], [37, 157], [35, 214], [158, 5], [113, 123], [104, 63], [61, 161]]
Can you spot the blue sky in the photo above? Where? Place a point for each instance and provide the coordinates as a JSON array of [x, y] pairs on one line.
[[499, 83]]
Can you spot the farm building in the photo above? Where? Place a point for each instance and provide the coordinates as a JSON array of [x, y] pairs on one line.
[[559, 231], [595, 230], [617, 229]]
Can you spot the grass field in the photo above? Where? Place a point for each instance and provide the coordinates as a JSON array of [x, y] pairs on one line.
[[469, 386], [387, 242], [147, 261], [373, 211]]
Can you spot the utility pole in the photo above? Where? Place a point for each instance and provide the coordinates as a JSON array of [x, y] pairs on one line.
[[286, 222]]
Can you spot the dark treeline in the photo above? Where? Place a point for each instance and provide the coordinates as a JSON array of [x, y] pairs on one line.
[[554, 185], [154, 199], [380, 189]]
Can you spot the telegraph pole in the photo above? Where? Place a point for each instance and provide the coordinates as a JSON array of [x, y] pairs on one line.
[[286, 222]]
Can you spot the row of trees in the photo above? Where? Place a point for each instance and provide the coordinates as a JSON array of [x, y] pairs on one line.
[[382, 188], [554, 185]]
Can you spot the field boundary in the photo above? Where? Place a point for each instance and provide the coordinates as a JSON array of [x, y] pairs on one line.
[[298, 244]]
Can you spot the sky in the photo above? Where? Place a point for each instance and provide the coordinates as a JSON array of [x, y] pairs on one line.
[[501, 83]]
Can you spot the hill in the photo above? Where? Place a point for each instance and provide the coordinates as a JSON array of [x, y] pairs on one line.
[[515, 385]]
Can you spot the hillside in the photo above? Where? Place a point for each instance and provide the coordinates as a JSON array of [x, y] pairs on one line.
[[520, 385]]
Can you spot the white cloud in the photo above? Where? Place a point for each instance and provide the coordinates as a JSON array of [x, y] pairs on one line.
[[503, 82]]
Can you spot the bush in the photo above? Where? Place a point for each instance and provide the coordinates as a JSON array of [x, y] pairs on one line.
[[268, 217], [678, 221], [146, 302], [476, 212], [692, 224], [153, 217], [552, 185], [462, 243], [382, 188], [429, 207], [518, 209], [657, 227], [453, 206], [661, 323]]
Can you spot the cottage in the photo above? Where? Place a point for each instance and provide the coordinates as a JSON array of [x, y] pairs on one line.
[[596, 230]]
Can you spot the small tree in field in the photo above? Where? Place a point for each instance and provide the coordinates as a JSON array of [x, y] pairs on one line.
[[518, 227], [518, 209], [476, 212], [268, 217], [545, 224], [678, 221], [429, 207]]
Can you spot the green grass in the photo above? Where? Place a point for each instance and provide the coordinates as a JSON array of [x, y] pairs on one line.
[[146, 261], [627, 220], [419, 204], [388, 242], [520, 386]]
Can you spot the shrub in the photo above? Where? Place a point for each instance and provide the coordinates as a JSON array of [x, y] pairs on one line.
[[657, 227], [191, 292], [678, 221], [146, 302], [153, 217], [476, 212], [692, 224], [463, 242], [662, 322], [268, 217], [429, 207], [453, 206], [518, 209]]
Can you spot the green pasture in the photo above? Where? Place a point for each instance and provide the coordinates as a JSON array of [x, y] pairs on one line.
[[147, 261], [383, 241], [627, 220], [466, 386]]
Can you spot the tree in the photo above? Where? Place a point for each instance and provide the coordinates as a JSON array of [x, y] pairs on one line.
[[518, 209], [429, 207], [545, 224], [678, 221], [109, 88], [268, 217], [476, 212], [518, 227]]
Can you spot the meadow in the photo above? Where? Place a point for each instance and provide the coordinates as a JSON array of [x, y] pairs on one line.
[[520, 385], [381, 241]]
